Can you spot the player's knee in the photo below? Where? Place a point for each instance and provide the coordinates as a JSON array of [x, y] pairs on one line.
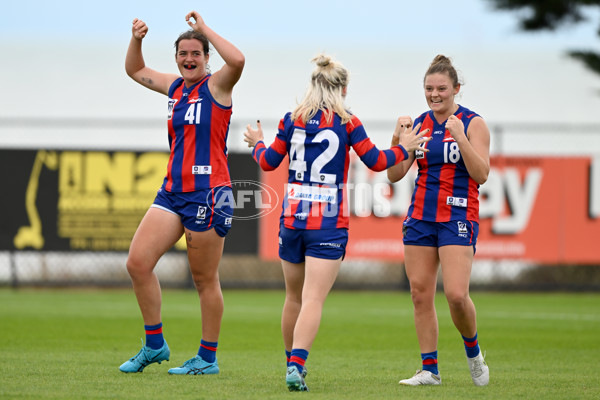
[[204, 282], [137, 266], [457, 300], [421, 297], [293, 297]]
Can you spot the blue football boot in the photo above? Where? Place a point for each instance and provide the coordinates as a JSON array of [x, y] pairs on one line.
[[145, 357]]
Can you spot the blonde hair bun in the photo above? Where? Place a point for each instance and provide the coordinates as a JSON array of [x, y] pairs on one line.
[[322, 60], [326, 91]]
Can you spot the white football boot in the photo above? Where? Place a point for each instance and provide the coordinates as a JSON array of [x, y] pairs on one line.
[[422, 378], [480, 372]]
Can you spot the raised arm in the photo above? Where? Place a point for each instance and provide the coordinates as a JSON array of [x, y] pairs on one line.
[[136, 67], [474, 147], [409, 139], [222, 82]]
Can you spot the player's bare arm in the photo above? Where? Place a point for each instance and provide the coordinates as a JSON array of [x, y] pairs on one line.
[[222, 82], [474, 147], [135, 65]]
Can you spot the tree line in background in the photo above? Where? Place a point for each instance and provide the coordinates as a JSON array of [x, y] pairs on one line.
[[536, 15]]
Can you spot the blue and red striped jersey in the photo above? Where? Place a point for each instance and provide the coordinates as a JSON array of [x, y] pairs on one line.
[[198, 127], [444, 191], [317, 195]]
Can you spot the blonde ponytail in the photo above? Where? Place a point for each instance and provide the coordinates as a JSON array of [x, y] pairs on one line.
[[325, 92]]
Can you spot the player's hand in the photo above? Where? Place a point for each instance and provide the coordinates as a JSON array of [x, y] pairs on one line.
[[253, 136], [456, 127], [402, 124], [139, 29], [413, 140], [198, 23]]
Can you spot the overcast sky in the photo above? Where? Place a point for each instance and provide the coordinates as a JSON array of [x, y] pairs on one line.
[[65, 59]]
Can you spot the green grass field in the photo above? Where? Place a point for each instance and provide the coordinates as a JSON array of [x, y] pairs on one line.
[[68, 344]]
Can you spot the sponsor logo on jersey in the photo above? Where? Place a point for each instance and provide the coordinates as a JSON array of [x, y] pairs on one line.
[[301, 216], [438, 132], [312, 193], [448, 137], [201, 169], [456, 201], [194, 100]]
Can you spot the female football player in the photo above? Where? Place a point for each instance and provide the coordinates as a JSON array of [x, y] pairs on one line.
[[313, 231], [441, 226], [197, 176]]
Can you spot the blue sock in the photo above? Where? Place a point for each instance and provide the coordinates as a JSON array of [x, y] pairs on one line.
[[154, 336], [288, 354], [208, 351], [471, 346], [298, 358], [430, 362]]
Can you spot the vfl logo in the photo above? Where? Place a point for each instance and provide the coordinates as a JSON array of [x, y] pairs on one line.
[[419, 154], [201, 212], [172, 103], [228, 221], [462, 227]]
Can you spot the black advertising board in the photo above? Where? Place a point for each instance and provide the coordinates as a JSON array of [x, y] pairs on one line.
[[56, 200]]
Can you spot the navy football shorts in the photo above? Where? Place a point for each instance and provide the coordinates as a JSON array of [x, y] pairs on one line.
[[200, 210], [295, 244], [437, 234]]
